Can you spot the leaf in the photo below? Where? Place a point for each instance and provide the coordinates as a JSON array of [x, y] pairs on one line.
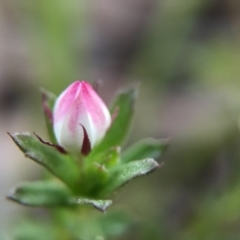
[[48, 100], [61, 165], [123, 108], [146, 148], [128, 171], [41, 193], [51, 194], [101, 205]]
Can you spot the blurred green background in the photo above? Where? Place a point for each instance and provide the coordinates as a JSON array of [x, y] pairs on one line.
[[186, 56]]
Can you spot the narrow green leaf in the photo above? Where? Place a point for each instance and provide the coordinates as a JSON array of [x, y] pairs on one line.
[[61, 165], [123, 109], [48, 100], [146, 148], [41, 193], [51, 194], [126, 172], [101, 205]]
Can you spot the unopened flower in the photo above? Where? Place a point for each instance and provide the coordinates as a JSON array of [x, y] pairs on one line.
[[80, 118]]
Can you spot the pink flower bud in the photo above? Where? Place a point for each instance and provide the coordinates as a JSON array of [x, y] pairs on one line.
[[79, 113]]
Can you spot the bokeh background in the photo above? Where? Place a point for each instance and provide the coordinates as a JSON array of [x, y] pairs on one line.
[[186, 56]]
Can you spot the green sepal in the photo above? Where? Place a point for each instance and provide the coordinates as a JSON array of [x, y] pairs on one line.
[[108, 158], [96, 173], [93, 178], [41, 194], [48, 101], [111, 157], [128, 171], [122, 112], [146, 148], [60, 165]]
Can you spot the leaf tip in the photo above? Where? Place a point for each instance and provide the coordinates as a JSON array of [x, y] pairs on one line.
[[8, 197], [103, 205], [166, 142], [11, 195], [153, 164], [10, 134], [13, 136]]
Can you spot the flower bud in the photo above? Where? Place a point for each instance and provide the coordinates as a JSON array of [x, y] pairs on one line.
[[80, 117]]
